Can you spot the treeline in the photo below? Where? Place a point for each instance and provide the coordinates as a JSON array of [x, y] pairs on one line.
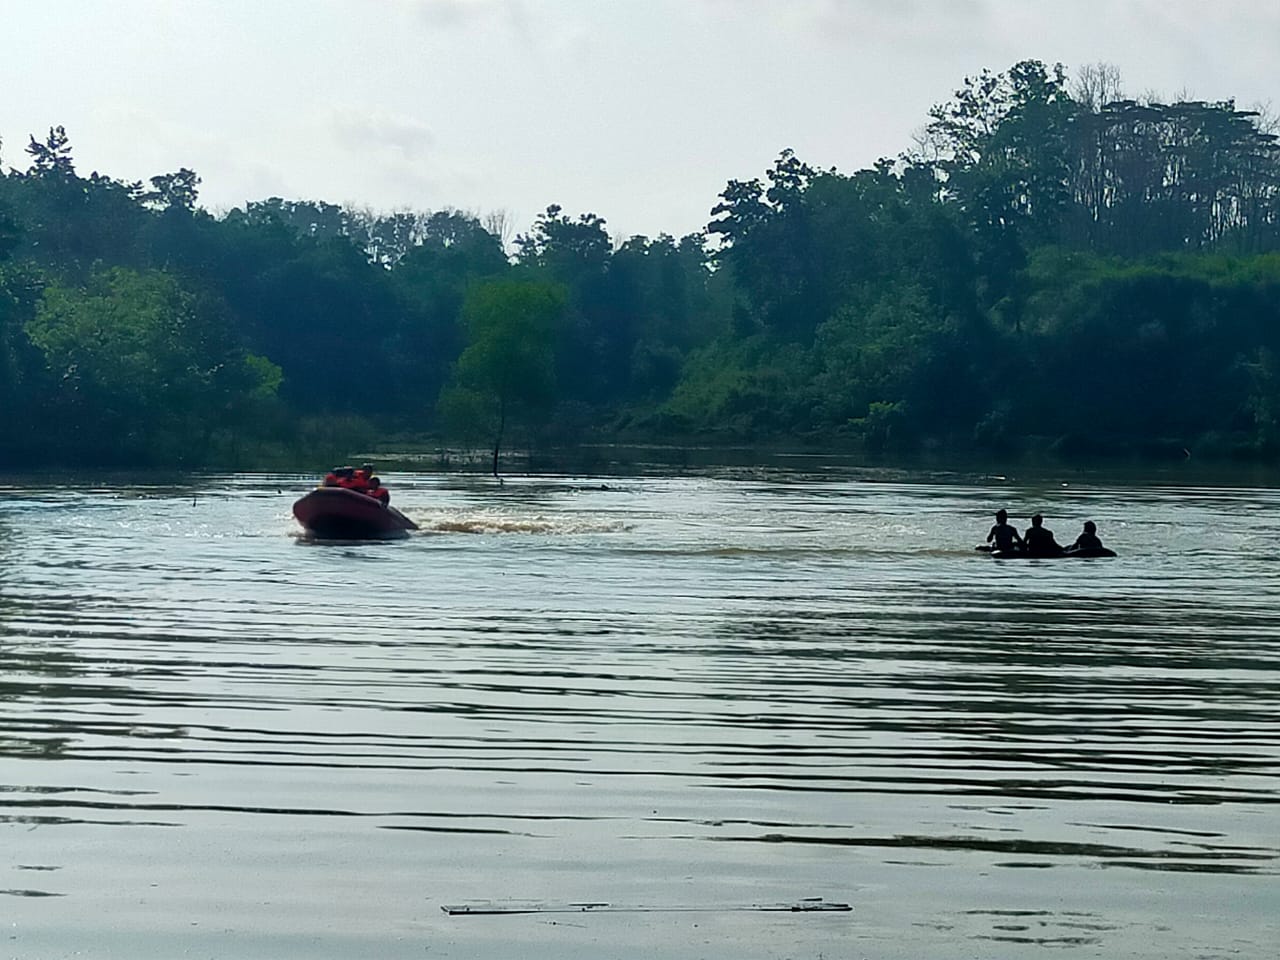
[[1053, 263]]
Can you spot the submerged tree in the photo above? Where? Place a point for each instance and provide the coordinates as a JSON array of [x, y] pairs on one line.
[[507, 371]]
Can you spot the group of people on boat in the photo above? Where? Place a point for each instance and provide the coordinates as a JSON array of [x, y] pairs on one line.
[[359, 479], [1037, 540]]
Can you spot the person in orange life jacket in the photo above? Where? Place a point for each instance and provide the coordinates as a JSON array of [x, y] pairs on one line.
[[378, 491], [346, 477], [362, 477], [331, 478]]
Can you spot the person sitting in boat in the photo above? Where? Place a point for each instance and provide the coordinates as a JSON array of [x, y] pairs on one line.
[[345, 477], [1088, 539], [1038, 539], [1004, 535], [378, 491], [361, 477]]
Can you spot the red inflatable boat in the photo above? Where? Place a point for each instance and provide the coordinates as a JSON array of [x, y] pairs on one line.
[[335, 513]]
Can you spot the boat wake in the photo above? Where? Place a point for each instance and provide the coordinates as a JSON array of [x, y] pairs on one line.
[[492, 522]]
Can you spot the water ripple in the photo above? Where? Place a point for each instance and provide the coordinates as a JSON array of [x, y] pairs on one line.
[[750, 686]]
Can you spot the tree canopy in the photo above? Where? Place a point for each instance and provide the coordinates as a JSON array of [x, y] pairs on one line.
[[1053, 262]]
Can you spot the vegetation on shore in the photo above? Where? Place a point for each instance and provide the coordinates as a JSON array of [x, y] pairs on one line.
[[1053, 265]]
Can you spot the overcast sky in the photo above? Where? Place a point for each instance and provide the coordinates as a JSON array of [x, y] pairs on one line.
[[637, 110]]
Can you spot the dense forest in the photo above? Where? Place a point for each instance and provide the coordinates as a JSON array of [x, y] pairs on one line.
[[1052, 266]]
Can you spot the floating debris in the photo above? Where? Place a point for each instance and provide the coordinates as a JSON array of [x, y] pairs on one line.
[[488, 909]]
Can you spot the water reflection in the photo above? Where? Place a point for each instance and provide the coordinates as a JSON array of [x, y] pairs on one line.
[[1203, 858]]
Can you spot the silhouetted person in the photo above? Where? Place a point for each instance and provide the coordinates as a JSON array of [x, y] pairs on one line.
[[1088, 540], [1038, 539], [1004, 536]]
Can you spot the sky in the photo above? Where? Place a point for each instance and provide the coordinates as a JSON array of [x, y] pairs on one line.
[[639, 111]]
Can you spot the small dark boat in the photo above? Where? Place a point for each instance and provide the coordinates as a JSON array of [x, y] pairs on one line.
[[1016, 554], [335, 513]]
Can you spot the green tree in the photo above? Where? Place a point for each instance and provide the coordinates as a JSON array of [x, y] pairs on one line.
[[430, 283], [767, 240], [23, 384], [149, 370], [72, 223], [170, 191], [895, 366], [316, 307], [657, 293], [594, 349], [1003, 161], [506, 374]]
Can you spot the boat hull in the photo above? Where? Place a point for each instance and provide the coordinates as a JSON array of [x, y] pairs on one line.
[[1024, 555], [334, 513]]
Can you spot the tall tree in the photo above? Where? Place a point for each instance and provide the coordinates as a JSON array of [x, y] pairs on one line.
[[766, 238], [173, 191], [430, 283], [506, 374], [577, 253]]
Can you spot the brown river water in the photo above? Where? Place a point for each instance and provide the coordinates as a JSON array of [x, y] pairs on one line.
[[680, 697]]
